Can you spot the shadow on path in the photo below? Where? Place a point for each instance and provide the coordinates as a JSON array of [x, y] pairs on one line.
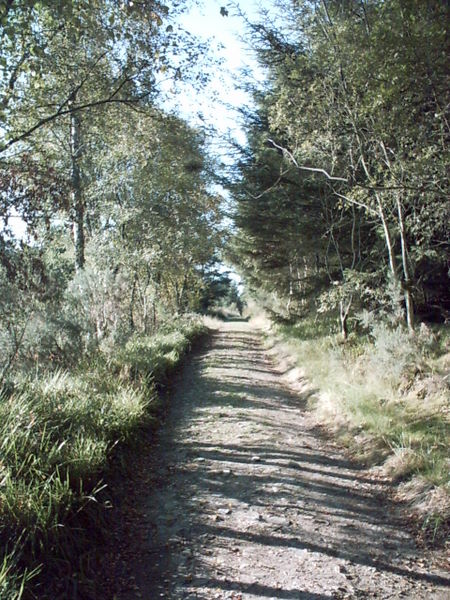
[[247, 499]]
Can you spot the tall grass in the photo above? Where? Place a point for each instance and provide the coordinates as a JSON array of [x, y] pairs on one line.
[[385, 395], [57, 436]]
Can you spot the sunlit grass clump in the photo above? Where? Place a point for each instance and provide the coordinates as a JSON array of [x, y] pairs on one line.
[[56, 434], [153, 358]]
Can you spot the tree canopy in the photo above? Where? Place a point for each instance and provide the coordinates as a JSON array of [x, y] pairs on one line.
[[343, 189], [114, 192]]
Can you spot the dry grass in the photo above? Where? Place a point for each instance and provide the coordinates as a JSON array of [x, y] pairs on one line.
[[386, 398]]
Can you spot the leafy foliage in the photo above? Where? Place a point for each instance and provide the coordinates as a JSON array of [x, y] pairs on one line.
[[342, 191]]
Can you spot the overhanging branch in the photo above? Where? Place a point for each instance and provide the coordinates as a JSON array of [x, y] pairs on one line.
[[64, 109], [303, 167], [427, 186]]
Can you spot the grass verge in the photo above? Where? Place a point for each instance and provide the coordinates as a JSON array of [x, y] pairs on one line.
[[385, 396], [59, 433]]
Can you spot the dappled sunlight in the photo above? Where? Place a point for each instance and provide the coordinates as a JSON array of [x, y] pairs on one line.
[[250, 503]]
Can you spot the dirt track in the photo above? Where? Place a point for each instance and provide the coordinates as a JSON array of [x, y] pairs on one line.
[[242, 498]]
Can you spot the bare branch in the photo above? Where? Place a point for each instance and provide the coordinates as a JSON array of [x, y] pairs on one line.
[[428, 186], [269, 189], [303, 167], [356, 203]]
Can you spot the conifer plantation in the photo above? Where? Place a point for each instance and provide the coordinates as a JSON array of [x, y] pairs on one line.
[[115, 232]]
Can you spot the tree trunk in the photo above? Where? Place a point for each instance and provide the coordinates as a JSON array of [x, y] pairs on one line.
[[387, 238], [154, 316], [344, 312], [132, 301], [291, 292], [181, 295], [77, 192], [406, 272]]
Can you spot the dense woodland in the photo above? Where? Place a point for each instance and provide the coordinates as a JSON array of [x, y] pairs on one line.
[[342, 193], [121, 226], [341, 225], [112, 231]]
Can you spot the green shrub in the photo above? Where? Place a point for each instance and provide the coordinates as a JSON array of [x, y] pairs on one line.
[[394, 351], [154, 357]]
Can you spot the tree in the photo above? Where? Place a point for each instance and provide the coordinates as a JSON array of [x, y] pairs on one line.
[[355, 106], [111, 188], [63, 62]]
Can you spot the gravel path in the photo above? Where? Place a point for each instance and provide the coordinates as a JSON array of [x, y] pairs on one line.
[[243, 499]]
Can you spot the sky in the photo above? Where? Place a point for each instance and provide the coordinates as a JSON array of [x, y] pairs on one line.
[[218, 102], [224, 33]]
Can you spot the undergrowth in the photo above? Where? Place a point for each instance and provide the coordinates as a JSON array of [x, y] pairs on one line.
[[58, 434], [385, 394]]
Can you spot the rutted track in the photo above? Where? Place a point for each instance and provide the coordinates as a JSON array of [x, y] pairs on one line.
[[243, 499]]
